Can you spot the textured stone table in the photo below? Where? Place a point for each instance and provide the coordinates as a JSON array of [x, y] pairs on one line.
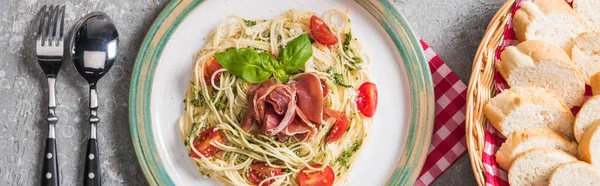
[[452, 27]]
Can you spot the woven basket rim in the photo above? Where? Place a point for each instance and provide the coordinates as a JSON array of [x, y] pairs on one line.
[[481, 88]]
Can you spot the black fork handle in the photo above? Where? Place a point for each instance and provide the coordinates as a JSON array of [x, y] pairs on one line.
[[50, 167]]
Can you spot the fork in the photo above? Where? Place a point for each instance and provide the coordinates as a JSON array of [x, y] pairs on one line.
[[49, 49]]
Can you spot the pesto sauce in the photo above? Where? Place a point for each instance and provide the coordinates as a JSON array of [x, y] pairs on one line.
[[198, 100], [354, 60], [249, 23], [338, 78], [220, 105], [348, 153]]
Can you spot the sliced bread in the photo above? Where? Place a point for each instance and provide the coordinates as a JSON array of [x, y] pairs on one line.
[[538, 63], [548, 20], [575, 173], [526, 108], [586, 53], [522, 141], [589, 150], [595, 83], [534, 167], [588, 9], [586, 117]]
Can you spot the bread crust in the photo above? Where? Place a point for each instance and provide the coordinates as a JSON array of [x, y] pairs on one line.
[[507, 153], [554, 178], [541, 151], [530, 53], [586, 146], [595, 83], [499, 107], [530, 11], [533, 52], [579, 134]]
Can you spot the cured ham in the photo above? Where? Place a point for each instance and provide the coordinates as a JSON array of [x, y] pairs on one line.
[[282, 110]]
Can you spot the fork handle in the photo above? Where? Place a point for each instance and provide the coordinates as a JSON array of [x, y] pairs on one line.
[[92, 164], [49, 173], [50, 167]]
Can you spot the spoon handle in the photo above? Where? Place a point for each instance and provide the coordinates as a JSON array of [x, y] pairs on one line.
[[92, 176], [50, 166]]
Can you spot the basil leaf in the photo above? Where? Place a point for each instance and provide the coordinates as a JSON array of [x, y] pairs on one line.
[[281, 75], [244, 63], [295, 54], [268, 62]]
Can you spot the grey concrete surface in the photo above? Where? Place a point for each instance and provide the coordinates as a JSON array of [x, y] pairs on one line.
[[452, 27]]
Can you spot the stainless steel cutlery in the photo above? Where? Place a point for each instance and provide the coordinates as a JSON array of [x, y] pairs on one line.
[[93, 48], [49, 48], [94, 44]]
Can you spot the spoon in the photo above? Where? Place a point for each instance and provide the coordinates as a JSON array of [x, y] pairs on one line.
[[94, 43]]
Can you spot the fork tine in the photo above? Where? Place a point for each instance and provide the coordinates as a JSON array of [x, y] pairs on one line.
[[41, 17], [52, 26], [62, 23], [57, 25], [47, 25]]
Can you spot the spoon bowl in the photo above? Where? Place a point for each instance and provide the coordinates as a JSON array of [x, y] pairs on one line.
[[94, 46]]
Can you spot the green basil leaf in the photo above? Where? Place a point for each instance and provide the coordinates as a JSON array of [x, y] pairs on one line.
[[244, 63], [295, 54], [281, 75], [268, 62]]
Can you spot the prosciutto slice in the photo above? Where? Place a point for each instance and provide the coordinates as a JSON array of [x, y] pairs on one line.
[[283, 101], [310, 96], [285, 110]]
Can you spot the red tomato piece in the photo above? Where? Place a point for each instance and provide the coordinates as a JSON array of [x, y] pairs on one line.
[[321, 32], [211, 66], [260, 171], [202, 143], [366, 101], [322, 178], [339, 127]]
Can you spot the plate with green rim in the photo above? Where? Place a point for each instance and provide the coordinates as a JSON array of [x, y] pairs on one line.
[[399, 140]]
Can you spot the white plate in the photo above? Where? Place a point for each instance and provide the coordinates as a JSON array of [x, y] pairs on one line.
[[166, 80]]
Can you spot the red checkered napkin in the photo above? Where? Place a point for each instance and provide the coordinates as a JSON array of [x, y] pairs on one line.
[[495, 176], [448, 140]]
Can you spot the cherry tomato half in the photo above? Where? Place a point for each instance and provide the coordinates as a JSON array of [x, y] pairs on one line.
[[322, 178], [202, 143], [366, 101], [339, 127], [260, 171], [211, 66], [320, 32]]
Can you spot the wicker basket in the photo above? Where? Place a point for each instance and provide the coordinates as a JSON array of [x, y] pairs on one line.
[[481, 88]]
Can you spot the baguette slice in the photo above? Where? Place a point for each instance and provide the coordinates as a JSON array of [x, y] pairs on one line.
[[525, 108], [595, 83], [586, 53], [587, 116], [534, 167], [553, 21], [589, 147], [519, 142], [538, 63], [588, 9], [575, 173]]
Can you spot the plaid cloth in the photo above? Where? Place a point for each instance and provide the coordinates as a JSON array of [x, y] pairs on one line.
[[494, 175], [448, 140]]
